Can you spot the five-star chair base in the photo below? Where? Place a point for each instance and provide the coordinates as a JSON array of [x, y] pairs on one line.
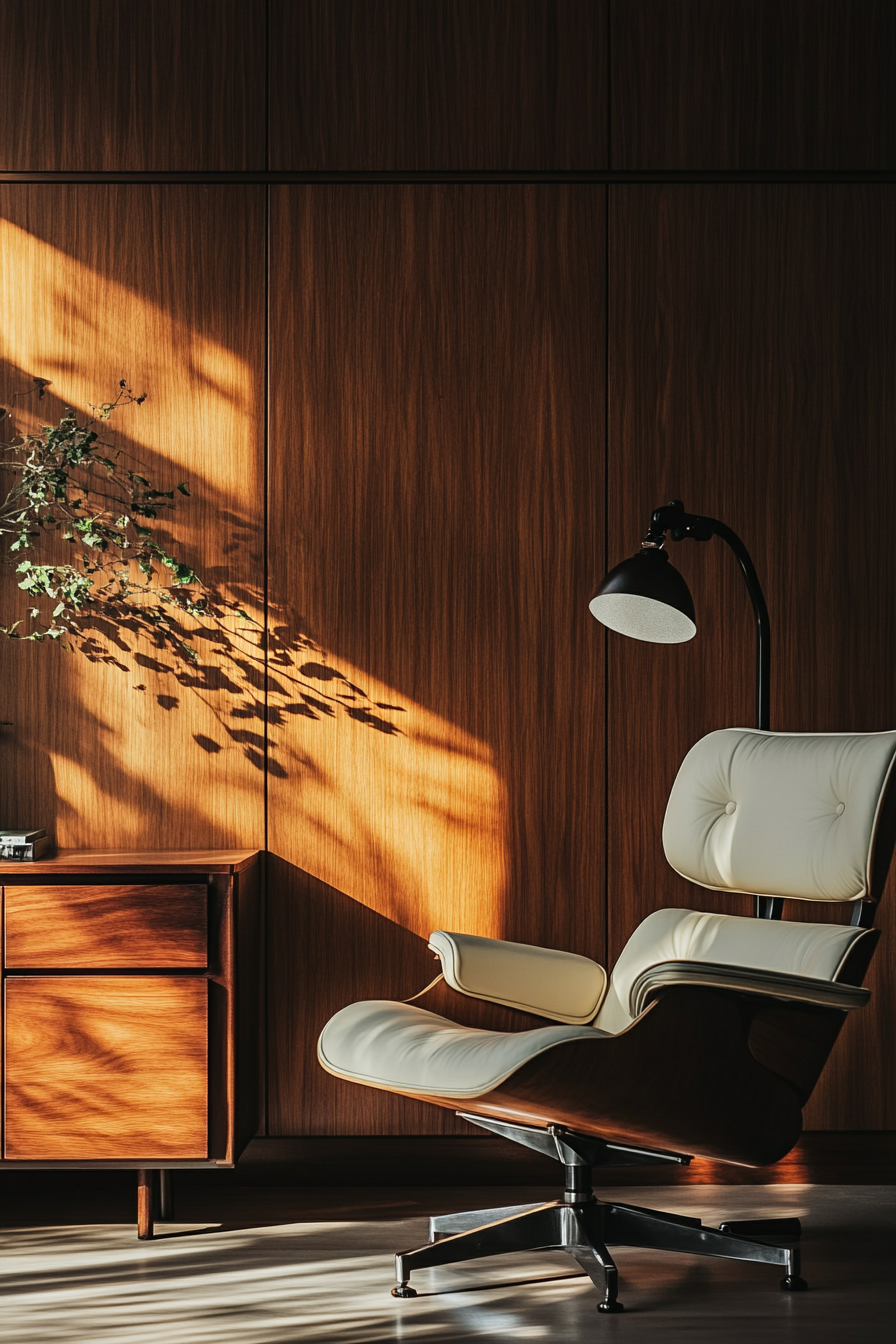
[[584, 1226]]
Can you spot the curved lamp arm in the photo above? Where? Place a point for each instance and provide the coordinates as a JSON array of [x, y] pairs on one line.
[[646, 598], [673, 519]]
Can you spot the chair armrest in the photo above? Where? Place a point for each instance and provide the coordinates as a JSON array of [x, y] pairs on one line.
[[557, 985], [745, 980]]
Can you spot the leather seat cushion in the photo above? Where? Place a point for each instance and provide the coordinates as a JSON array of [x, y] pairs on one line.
[[398, 1046]]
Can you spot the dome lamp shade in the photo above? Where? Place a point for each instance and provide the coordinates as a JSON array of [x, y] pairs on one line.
[[646, 598]]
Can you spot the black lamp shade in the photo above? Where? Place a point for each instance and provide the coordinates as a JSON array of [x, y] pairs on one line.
[[646, 598]]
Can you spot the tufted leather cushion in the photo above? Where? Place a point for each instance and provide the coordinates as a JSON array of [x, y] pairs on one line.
[[779, 814]]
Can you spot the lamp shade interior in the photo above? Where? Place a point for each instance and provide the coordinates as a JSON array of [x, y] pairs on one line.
[[646, 598]]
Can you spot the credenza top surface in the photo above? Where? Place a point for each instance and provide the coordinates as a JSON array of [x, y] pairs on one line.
[[104, 862]]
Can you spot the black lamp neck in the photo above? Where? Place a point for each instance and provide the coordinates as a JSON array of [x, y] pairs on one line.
[[672, 518]]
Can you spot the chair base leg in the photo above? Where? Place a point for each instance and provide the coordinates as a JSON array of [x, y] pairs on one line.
[[557, 1226], [629, 1225], [447, 1224], [599, 1265], [584, 1228]]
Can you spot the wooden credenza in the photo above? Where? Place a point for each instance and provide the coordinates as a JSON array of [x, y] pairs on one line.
[[131, 1015]]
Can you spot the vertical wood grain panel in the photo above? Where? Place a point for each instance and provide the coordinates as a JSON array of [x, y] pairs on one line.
[[783, 84], [436, 695], [105, 1067], [105, 85], [438, 84], [127, 746], [752, 343]]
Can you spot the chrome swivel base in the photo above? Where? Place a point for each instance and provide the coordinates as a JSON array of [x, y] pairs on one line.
[[584, 1226]]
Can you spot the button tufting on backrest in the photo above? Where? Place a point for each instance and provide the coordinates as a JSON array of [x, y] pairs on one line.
[[778, 839]]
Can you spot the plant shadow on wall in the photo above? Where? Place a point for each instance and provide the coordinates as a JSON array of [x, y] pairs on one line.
[[100, 575], [385, 800], [299, 683]]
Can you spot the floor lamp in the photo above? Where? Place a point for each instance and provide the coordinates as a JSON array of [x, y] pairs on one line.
[[646, 598]]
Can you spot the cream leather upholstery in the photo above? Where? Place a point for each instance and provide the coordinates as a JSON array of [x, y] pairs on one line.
[[779, 814], [559, 985], [689, 1051], [814, 951], [407, 1049], [401, 1046], [771, 814]]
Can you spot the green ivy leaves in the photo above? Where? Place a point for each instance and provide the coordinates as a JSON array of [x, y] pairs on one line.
[[67, 484]]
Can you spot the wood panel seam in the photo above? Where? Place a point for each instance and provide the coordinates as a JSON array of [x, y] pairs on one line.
[[533, 177]]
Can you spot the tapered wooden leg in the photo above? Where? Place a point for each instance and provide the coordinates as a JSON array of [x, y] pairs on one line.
[[144, 1205]]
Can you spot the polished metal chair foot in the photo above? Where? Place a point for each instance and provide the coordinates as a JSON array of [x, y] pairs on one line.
[[601, 1269], [792, 1283]]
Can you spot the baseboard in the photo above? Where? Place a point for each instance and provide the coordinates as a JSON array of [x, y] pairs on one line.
[[855, 1157]]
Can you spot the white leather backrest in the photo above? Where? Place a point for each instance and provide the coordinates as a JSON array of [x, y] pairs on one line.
[[784, 946], [779, 814]]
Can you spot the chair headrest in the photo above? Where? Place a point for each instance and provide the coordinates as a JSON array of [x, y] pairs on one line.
[[779, 814]]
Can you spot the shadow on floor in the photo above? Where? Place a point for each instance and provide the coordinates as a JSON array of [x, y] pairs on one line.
[[290, 1264]]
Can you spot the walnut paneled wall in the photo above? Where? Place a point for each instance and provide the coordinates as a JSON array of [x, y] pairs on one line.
[[127, 745], [115, 84], [752, 340], [423, 85], [746, 84], [429, 746], [436, 690]]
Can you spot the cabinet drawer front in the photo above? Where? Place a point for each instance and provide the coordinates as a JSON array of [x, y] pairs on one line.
[[106, 1067], [96, 927]]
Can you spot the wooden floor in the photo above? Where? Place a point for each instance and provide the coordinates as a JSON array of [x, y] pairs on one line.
[[265, 1264]]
